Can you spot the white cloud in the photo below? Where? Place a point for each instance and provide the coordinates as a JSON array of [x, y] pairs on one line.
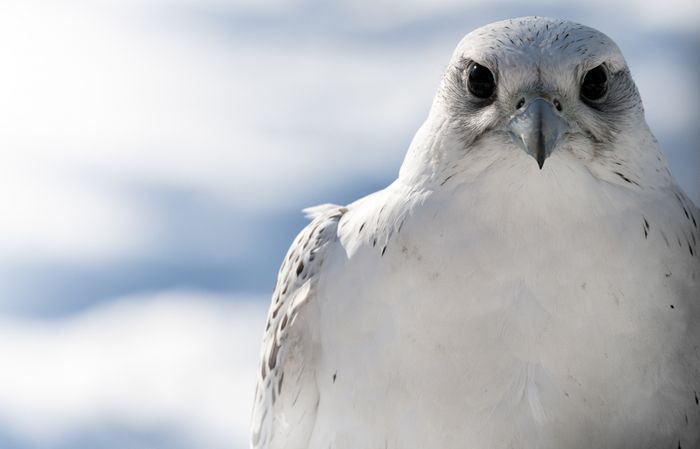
[[671, 93], [48, 215], [181, 360], [670, 14], [666, 15], [91, 93]]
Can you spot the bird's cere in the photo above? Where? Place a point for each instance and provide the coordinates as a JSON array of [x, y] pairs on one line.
[[538, 128]]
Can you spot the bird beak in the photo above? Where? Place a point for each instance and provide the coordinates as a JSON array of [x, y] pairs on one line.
[[537, 128]]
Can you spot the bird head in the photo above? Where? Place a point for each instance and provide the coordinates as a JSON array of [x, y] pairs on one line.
[[532, 89]]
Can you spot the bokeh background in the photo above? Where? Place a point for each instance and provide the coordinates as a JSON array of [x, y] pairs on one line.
[[154, 159]]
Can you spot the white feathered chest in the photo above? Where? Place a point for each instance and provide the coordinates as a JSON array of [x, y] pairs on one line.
[[514, 317]]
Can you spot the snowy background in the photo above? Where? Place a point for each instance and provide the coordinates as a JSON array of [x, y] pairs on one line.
[[154, 158]]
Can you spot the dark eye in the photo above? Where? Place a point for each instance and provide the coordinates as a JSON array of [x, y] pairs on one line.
[[595, 84], [480, 82]]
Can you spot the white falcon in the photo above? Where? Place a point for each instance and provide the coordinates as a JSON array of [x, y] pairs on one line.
[[530, 281]]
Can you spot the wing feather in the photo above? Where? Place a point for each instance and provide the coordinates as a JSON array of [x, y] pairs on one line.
[[286, 396]]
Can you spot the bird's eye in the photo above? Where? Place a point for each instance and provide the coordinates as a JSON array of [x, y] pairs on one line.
[[480, 81], [595, 84]]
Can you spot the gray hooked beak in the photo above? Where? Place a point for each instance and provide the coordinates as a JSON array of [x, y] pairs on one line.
[[538, 128]]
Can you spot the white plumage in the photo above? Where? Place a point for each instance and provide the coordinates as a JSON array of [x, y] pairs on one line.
[[530, 280]]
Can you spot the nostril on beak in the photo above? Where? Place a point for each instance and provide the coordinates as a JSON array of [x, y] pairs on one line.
[[537, 127]]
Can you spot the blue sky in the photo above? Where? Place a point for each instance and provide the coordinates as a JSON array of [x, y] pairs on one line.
[[156, 156]]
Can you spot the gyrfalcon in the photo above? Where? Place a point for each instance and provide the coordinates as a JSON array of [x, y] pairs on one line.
[[530, 281]]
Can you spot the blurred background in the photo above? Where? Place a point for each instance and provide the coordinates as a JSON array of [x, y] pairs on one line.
[[154, 159]]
